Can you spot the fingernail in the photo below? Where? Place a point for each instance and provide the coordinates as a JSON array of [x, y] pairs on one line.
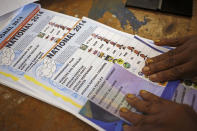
[[148, 61], [143, 92], [157, 41], [146, 69], [126, 127], [131, 96], [152, 77], [163, 83], [124, 110], [146, 76]]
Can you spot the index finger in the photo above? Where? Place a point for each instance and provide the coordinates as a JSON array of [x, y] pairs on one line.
[[186, 70], [166, 55], [140, 105], [147, 96], [172, 41]]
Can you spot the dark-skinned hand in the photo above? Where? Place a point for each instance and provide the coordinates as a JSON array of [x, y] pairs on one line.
[[179, 63], [158, 114]]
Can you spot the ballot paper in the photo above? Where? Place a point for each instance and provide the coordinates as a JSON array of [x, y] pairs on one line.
[[89, 61], [24, 34], [78, 65], [21, 31], [19, 34]]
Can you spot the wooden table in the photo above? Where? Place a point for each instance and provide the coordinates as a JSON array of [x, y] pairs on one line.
[[22, 112]]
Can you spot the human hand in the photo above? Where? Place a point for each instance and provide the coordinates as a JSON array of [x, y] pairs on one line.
[[158, 114], [179, 63]]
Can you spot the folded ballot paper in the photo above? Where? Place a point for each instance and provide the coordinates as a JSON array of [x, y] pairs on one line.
[[79, 65]]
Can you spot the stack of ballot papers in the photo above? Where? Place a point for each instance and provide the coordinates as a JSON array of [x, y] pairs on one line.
[[80, 65]]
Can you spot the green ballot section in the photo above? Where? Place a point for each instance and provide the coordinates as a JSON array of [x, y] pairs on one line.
[[79, 65]]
